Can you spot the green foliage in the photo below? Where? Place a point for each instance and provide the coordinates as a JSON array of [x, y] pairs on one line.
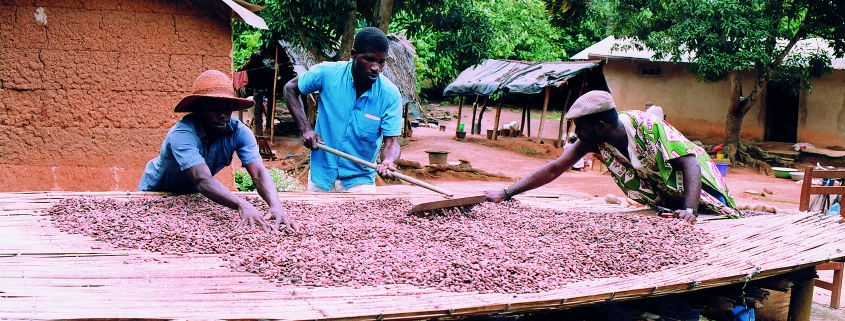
[[582, 22], [318, 25], [283, 180], [447, 39], [448, 35], [798, 69], [459, 34], [523, 30], [243, 45]]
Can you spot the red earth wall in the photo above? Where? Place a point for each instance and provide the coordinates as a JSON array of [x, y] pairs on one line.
[[87, 98]]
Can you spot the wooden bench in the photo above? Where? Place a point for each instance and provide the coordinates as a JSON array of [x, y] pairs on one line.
[[808, 189], [264, 148]]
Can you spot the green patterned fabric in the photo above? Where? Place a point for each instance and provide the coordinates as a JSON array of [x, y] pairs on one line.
[[648, 178]]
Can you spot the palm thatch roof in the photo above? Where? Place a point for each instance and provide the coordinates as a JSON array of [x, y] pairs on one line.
[[399, 68]]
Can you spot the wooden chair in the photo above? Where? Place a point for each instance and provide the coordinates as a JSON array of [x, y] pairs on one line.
[[808, 189], [264, 148]]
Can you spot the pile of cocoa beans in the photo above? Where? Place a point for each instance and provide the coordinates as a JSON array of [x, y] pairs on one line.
[[503, 248]]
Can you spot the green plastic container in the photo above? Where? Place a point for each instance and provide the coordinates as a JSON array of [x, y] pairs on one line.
[[783, 172]]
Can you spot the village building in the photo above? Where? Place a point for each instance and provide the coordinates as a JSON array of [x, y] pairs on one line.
[[700, 109], [87, 88]]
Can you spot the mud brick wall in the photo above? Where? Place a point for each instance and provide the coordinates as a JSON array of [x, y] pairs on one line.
[[87, 97]]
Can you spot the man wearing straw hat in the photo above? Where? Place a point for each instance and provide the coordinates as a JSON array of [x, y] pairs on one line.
[[651, 161], [358, 108], [203, 142]]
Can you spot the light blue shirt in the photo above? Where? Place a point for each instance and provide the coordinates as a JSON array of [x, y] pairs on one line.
[[354, 126], [187, 145]]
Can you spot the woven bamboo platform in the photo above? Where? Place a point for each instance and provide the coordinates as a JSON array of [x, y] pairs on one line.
[[48, 274]]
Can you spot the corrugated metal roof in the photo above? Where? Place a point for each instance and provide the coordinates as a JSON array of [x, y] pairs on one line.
[[603, 50], [497, 76]]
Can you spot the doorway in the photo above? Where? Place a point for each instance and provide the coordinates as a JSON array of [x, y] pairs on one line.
[[781, 113]]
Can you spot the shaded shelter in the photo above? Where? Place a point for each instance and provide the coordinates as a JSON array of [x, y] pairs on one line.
[[555, 80], [294, 60]]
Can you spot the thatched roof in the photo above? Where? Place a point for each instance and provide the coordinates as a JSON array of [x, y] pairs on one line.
[[399, 68]]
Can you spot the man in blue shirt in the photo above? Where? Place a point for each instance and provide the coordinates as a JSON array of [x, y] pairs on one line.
[[203, 142], [358, 108]]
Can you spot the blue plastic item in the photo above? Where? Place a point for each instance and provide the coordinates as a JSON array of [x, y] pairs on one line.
[[834, 210], [741, 313], [723, 169]]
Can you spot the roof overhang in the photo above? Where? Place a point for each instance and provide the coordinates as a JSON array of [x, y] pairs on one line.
[[243, 10]]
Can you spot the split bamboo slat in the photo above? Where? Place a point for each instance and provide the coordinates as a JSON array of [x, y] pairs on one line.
[[49, 274]]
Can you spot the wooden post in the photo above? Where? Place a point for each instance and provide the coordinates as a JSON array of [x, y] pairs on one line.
[[562, 119], [273, 101], [406, 123], [528, 118], [801, 301], [524, 110], [543, 116], [460, 106], [474, 110], [498, 115], [311, 106], [481, 113]]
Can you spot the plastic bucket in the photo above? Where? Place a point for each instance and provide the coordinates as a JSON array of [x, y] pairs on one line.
[[723, 169]]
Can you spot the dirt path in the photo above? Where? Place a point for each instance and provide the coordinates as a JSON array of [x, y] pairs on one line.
[[506, 159]]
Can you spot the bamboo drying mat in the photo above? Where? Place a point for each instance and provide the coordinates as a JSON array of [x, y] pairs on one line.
[[48, 274]]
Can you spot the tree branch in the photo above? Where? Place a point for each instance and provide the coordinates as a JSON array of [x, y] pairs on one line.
[[317, 55], [765, 75]]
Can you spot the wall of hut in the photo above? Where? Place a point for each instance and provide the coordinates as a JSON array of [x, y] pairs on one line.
[[700, 109], [87, 88], [821, 113]]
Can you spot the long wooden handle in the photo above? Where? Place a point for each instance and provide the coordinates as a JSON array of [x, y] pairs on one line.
[[395, 174]]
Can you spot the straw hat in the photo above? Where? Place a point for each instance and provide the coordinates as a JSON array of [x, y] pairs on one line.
[[590, 103], [214, 84]]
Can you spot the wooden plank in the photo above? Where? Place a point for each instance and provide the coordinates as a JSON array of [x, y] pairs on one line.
[[64, 277], [427, 204]]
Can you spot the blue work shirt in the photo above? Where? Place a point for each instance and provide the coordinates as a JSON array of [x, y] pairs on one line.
[[354, 126], [187, 145]]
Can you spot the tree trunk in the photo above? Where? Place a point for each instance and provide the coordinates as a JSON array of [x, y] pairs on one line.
[[732, 130], [385, 12], [345, 50], [733, 124]]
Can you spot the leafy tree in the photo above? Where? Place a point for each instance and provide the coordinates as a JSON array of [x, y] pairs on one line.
[[244, 45], [522, 30], [582, 22], [326, 28], [447, 39], [724, 37], [459, 34]]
